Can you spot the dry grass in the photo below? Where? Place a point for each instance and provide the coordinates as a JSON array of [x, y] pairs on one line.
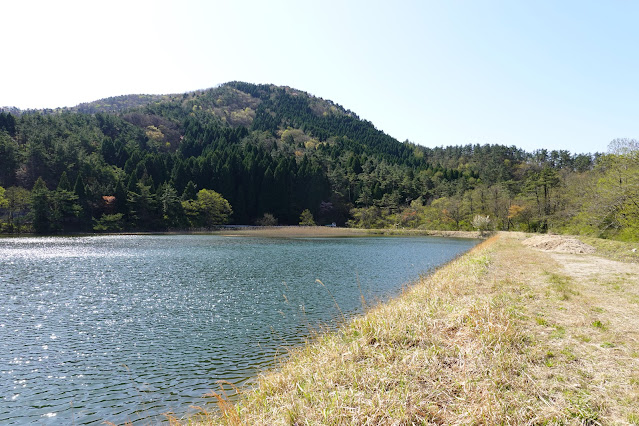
[[327, 231], [504, 334], [292, 232], [425, 232], [616, 250]]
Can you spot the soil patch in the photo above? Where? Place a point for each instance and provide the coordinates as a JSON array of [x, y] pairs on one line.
[[558, 243]]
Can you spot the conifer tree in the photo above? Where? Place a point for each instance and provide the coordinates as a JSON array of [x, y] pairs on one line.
[[40, 207], [64, 184]]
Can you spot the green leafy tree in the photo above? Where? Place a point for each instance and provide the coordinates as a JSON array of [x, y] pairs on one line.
[[306, 218], [366, 217], [611, 207], [18, 201], [4, 203], [208, 210]]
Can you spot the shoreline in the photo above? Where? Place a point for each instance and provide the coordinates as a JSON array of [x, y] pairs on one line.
[[292, 231], [327, 232], [506, 333]]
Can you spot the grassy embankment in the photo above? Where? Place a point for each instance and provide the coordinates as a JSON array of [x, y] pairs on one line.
[[504, 334]]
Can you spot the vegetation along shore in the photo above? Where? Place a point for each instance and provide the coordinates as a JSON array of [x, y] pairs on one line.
[[518, 331], [243, 153], [328, 231]]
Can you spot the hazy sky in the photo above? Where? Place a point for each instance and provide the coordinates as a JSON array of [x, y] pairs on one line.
[[535, 74]]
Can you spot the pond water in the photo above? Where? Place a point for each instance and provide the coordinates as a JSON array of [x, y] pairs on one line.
[[125, 328]]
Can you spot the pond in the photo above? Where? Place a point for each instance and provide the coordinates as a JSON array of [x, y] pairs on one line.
[[125, 328]]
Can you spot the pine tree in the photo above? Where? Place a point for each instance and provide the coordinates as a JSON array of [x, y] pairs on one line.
[[83, 202], [65, 204], [120, 198], [64, 184], [190, 192]]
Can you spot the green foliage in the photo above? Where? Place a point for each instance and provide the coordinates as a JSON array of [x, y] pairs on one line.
[[9, 159], [65, 208], [170, 206], [142, 204], [190, 192], [267, 220], [41, 213], [208, 210], [278, 151], [64, 184], [4, 203], [610, 204], [306, 218], [109, 223], [8, 123], [18, 201]]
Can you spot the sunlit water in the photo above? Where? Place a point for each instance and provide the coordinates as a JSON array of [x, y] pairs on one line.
[[125, 328]]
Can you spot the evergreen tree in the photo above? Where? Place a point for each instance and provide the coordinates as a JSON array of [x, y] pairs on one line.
[[170, 206], [40, 207], [132, 184], [143, 206], [121, 198], [8, 123], [9, 160], [306, 218], [84, 214], [190, 192], [64, 184], [64, 203], [79, 189]]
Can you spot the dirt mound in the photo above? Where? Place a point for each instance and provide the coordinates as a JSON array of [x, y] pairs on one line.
[[558, 243]]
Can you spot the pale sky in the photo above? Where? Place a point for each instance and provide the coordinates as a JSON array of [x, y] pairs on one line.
[[535, 74]]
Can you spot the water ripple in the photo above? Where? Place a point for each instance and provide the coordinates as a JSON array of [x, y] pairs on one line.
[[125, 328]]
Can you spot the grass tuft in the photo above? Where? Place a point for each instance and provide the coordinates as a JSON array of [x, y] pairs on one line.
[[562, 285], [598, 324]]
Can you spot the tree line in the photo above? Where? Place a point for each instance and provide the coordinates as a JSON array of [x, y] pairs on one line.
[[266, 154]]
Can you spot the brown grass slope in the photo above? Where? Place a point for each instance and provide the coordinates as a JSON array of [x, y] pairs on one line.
[[505, 334]]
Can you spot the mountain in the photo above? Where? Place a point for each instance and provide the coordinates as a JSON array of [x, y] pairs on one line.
[[268, 150]]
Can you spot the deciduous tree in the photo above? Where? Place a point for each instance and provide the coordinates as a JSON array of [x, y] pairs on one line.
[[208, 210]]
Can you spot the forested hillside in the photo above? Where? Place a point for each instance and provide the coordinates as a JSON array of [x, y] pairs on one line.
[[244, 154]]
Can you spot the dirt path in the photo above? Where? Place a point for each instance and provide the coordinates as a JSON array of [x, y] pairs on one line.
[[592, 267], [587, 312]]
